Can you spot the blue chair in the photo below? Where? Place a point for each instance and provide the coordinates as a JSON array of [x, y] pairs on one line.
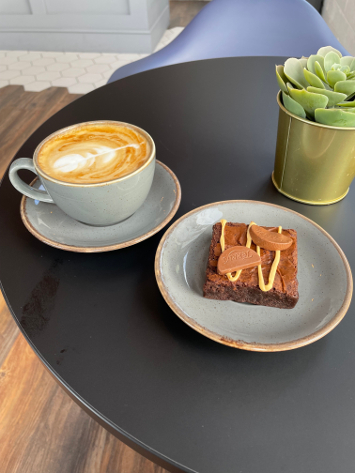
[[229, 28]]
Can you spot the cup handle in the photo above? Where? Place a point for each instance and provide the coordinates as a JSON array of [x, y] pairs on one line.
[[27, 163]]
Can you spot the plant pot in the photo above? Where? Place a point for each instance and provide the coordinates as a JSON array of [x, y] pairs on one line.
[[314, 163]]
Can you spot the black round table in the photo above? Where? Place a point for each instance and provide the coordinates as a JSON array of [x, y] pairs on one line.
[[100, 325]]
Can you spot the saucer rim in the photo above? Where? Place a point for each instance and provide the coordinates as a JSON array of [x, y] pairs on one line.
[[101, 249], [253, 346]]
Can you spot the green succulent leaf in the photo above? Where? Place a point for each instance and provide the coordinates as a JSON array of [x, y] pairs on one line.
[[312, 60], [320, 87], [281, 78], [303, 62], [345, 87], [293, 106], [345, 69], [294, 72], [326, 49], [335, 76], [335, 67], [308, 100], [312, 79], [334, 97], [334, 117], [347, 61], [330, 59], [319, 71], [347, 104]]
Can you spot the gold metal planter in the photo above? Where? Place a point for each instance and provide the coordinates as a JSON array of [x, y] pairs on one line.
[[314, 163]]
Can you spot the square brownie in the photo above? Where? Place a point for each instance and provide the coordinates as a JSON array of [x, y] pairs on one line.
[[284, 293]]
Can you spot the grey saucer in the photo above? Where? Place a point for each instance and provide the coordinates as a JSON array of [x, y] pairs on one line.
[[324, 275], [52, 226]]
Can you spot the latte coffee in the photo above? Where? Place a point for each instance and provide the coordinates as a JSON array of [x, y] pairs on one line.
[[98, 172], [94, 153]]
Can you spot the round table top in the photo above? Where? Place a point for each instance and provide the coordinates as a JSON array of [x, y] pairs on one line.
[[102, 328]]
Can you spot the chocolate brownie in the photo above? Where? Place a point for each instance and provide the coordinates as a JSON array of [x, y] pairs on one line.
[[284, 293]]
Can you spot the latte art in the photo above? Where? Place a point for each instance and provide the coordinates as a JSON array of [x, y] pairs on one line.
[[85, 159], [94, 153]]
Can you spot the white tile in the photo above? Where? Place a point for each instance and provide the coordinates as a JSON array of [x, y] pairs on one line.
[[105, 59], [48, 76], [18, 66], [37, 86], [16, 53], [344, 5], [107, 74], [127, 57], [30, 56], [7, 60], [348, 14], [117, 64], [7, 75], [64, 82], [22, 80], [73, 72], [34, 70], [81, 88], [53, 54], [98, 68], [44, 61], [168, 37], [71, 55], [88, 55], [79, 71], [65, 58], [82, 63], [89, 78], [56, 67], [100, 83]]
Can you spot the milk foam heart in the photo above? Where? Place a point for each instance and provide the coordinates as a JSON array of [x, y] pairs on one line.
[[94, 153]]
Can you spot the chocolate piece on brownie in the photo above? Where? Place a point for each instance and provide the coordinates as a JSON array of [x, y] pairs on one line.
[[284, 293]]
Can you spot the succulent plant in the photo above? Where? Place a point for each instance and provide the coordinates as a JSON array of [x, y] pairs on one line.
[[320, 88]]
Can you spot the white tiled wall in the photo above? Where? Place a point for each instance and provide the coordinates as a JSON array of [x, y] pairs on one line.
[[340, 17], [79, 72]]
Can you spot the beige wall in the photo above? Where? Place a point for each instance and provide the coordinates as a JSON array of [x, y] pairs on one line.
[[340, 17]]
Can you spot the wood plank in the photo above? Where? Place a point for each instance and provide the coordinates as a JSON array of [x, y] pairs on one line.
[[8, 330], [182, 12], [42, 430], [10, 93]]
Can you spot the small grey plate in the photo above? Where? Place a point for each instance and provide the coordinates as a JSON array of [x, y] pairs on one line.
[[324, 276], [52, 226]]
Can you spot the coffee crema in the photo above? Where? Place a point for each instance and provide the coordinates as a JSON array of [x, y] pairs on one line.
[[94, 153]]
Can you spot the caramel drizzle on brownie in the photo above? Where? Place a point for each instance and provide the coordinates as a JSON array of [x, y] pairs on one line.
[[275, 263]]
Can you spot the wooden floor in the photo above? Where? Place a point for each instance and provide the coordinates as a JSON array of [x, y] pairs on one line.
[[182, 12]]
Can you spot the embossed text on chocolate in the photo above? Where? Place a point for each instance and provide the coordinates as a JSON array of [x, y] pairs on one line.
[[237, 255], [236, 258]]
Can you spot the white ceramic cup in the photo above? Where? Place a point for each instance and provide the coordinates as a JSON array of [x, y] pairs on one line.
[[100, 204]]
